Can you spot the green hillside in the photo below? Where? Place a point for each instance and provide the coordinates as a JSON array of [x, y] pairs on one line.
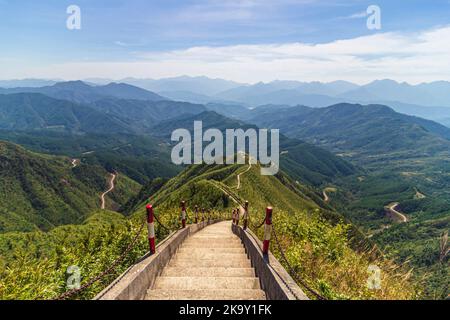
[[141, 158], [39, 192], [360, 131], [145, 114], [32, 111], [33, 265]]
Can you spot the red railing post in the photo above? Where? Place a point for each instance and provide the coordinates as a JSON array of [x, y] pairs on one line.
[[233, 216], [151, 228], [267, 230], [183, 214], [245, 215], [238, 214]]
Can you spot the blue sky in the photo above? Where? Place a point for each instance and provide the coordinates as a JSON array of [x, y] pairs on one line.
[[168, 38]]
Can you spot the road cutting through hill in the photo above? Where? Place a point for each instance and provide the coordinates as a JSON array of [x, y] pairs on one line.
[[74, 163], [393, 209], [111, 188], [326, 197]]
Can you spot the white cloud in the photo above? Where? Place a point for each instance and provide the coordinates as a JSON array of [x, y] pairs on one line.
[[128, 44], [415, 57], [236, 10], [357, 15]]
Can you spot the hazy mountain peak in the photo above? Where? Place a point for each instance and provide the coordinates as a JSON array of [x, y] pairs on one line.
[[78, 84]]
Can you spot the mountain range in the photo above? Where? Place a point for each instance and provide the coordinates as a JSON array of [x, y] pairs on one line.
[[426, 100], [433, 94], [81, 92], [362, 129]]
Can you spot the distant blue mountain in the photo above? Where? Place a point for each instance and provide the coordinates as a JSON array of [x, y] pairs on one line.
[[81, 92], [34, 83], [197, 85]]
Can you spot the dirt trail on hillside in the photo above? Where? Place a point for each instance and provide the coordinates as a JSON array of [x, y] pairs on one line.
[[240, 174], [111, 188], [74, 163], [419, 195], [393, 209], [325, 196]]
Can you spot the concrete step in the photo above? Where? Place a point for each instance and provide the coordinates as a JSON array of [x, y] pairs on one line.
[[204, 255], [187, 244], [210, 265], [211, 240], [193, 250], [208, 272], [222, 294], [214, 236], [186, 263], [205, 283]]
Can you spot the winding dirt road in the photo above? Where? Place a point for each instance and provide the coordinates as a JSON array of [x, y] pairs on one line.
[[111, 188], [74, 163], [393, 209], [326, 198]]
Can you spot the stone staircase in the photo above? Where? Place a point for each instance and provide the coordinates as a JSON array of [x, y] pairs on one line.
[[210, 265]]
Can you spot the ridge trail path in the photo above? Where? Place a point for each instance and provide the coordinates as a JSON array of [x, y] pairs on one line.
[[241, 208], [393, 209], [240, 174], [111, 188]]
